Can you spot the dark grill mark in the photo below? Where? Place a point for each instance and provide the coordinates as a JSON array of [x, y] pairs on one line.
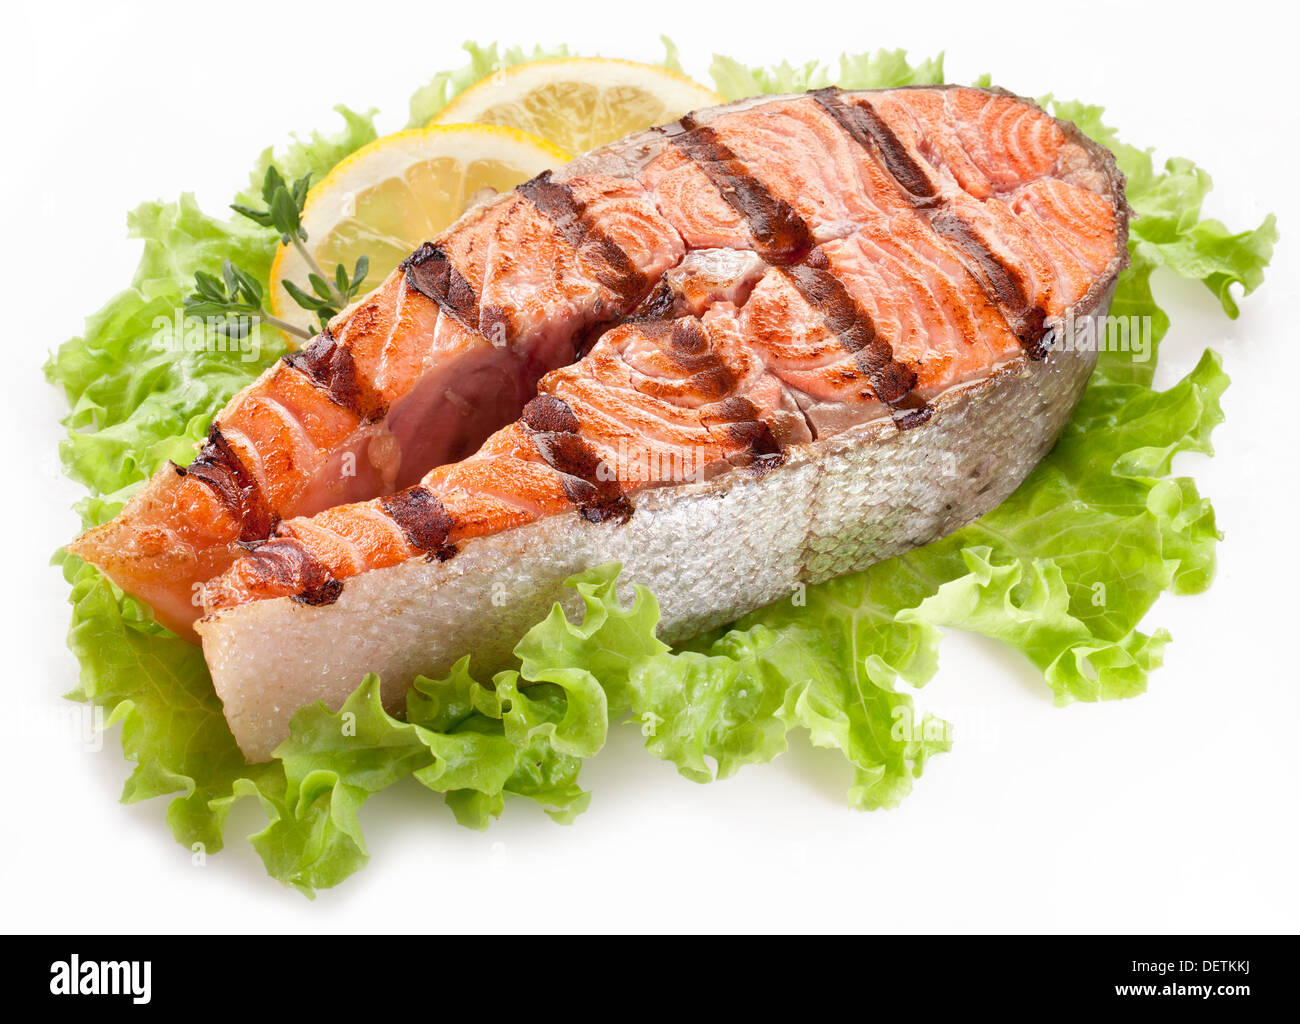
[[431, 273], [661, 304], [547, 414], [862, 124], [689, 349], [495, 324], [290, 565], [1004, 285], [815, 280], [1001, 283], [1034, 334], [330, 366], [688, 337], [423, 519], [557, 203], [738, 418], [733, 410], [912, 411], [781, 235], [587, 480], [763, 452], [327, 592], [220, 467]]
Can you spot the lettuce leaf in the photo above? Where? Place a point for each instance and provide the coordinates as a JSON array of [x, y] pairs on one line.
[[453, 741], [828, 665], [1065, 571], [879, 70]]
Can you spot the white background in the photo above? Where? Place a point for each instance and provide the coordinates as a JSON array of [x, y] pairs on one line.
[[1176, 811]]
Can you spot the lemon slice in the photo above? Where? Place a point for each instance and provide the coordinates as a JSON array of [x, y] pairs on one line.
[[396, 193], [579, 103]]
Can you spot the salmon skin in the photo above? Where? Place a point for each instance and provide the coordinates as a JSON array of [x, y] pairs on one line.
[[859, 345]]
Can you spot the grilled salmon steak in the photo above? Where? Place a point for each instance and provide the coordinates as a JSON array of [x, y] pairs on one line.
[[769, 344]]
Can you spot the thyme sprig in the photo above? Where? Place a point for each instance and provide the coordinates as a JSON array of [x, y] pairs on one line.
[[236, 296]]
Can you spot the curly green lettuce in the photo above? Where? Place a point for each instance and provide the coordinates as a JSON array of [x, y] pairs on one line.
[[1064, 571]]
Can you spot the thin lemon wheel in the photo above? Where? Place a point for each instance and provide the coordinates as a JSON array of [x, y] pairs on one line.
[[396, 193], [579, 103]]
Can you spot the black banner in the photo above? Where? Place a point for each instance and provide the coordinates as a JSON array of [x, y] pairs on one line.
[[142, 974]]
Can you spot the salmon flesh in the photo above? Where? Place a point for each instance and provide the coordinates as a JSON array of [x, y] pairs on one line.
[[769, 344]]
